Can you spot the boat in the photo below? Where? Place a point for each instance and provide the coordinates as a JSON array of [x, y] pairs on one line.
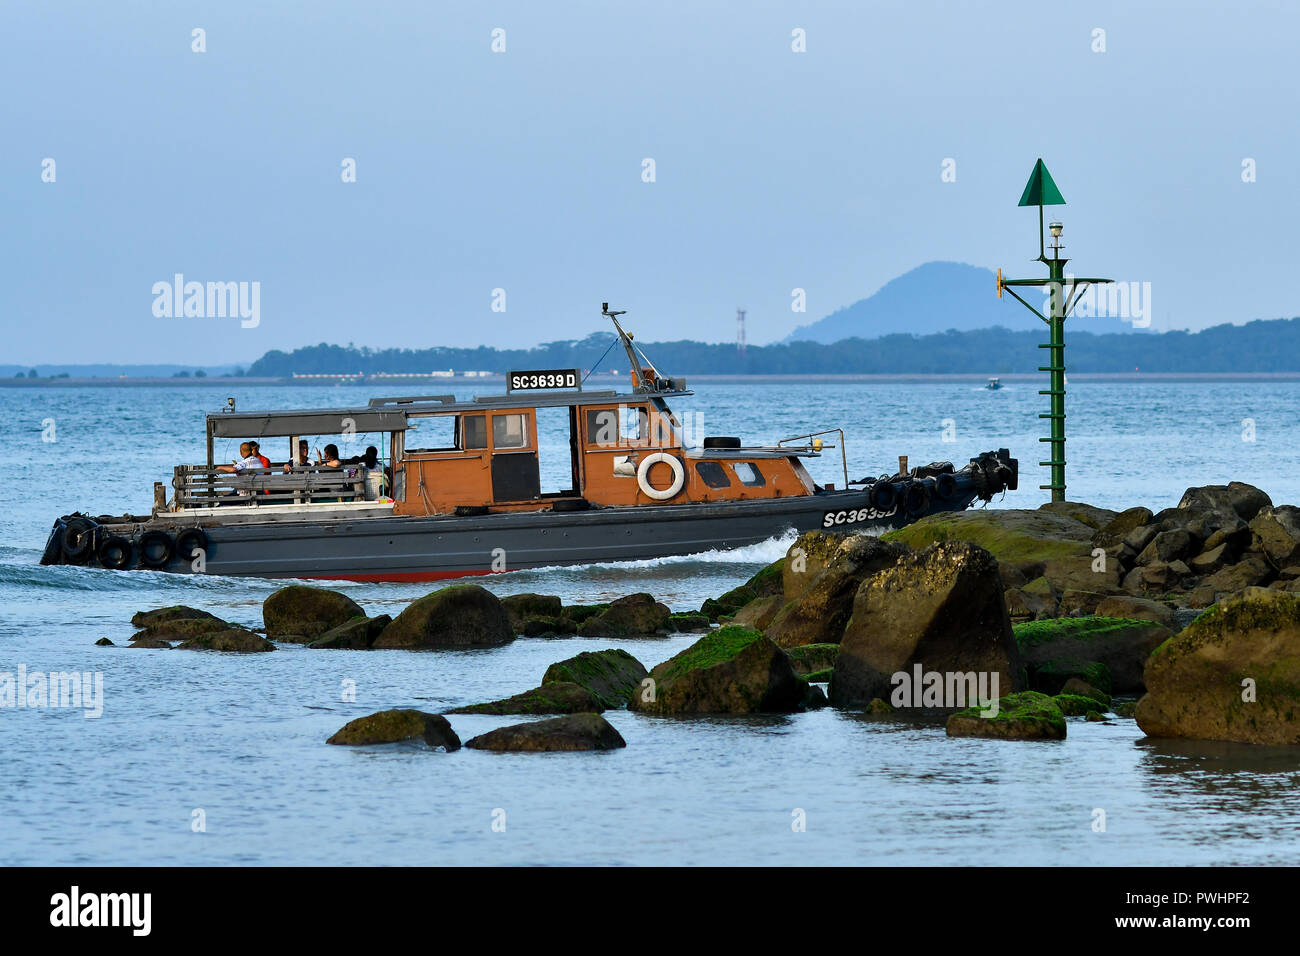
[[467, 500], [994, 384]]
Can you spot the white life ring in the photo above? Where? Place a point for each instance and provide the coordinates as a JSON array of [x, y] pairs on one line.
[[679, 476]]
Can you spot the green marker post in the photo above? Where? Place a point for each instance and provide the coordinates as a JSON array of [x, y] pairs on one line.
[[1041, 191]]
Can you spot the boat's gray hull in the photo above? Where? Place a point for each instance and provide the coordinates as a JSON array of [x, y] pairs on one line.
[[408, 548]]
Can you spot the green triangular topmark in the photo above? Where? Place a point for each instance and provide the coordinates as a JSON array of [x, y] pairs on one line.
[[1041, 189]]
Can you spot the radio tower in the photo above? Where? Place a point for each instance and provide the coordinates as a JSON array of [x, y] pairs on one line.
[[740, 331]]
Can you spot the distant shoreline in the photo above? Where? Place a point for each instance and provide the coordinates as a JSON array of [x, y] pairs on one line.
[[424, 387]]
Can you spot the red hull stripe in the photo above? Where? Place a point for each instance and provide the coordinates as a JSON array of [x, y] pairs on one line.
[[395, 576]]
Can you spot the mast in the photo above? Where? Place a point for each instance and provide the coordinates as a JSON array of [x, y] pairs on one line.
[[634, 354]]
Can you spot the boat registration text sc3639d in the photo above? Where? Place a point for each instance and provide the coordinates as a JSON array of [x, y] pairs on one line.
[[854, 515]]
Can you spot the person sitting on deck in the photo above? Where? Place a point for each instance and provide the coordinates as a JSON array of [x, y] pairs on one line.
[[331, 458], [303, 459], [256, 451], [370, 459], [246, 460]]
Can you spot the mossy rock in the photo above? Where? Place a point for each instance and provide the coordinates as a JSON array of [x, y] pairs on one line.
[[179, 629], [392, 726], [357, 634], [548, 627], [523, 607], [104, 642], [611, 676], [306, 613], [1078, 687], [1121, 644], [176, 612], [1013, 537], [574, 732], [557, 697], [808, 658], [1050, 677], [1095, 716], [879, 708], [767, 581], [1075, 705], [1232, 674], [729, 603], [233, 639], [577, 613], [637, 615], [1094, 517], [688, 622], [460, 616], [819, 677], [733, 670], [1024, 716], [1126, 708]]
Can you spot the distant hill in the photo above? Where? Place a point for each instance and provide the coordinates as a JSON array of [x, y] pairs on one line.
[[1259, 346], [936, 297]]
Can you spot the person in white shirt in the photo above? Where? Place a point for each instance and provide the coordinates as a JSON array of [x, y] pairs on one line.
[[246, 460]]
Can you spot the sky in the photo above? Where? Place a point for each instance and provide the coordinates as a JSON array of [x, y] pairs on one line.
[[500, 197]]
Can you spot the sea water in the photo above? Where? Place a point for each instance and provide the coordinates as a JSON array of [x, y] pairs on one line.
[[208, 758]]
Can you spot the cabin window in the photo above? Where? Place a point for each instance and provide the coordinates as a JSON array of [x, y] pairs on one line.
[[475, 431], [508, 431], [748, 473], [433, 433], [712, 474], [602, 427]]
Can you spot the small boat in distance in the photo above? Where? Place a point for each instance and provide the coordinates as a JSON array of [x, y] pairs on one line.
[[456, 489], [993, 384]]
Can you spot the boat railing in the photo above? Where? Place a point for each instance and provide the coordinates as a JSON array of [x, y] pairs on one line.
[[817, 446], [201, 486]]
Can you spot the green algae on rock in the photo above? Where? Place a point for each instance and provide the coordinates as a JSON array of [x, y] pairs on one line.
[[305, 613], [1024, 716], [733, 670], [611, 676], [575, 732]]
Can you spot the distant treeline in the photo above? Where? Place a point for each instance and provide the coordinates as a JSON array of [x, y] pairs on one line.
[[1259, 346]]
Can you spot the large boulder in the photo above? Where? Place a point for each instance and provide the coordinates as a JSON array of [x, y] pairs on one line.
[[1275, 532], [806, 558], [233, 639], [391, 726], [733, 670], [1167, 546], [1121, 526], [942, 609], [637, 615], [574, 732], [460, 616], [557, 697], [1235, 498], [611, 676], [1024, 539], [1232, 674], [1122, 645], [1024, 716], [301, 613], [357, 634], [819, 614]]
